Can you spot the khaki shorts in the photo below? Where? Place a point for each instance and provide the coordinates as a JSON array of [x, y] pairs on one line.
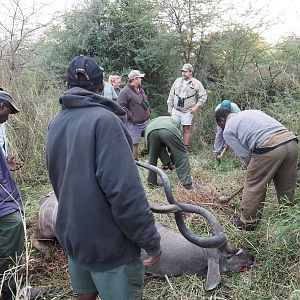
[[185, 118], [122, 283]]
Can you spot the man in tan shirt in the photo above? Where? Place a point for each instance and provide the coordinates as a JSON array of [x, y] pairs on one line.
[[186, 96]]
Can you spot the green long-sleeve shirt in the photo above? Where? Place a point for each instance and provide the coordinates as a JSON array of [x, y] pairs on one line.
[[164, 133], [165, 122]]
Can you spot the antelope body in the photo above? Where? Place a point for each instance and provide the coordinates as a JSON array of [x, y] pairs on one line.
[[179, 256], [44, 229]]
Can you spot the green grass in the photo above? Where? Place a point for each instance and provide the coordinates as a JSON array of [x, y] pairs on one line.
[[275, 244]]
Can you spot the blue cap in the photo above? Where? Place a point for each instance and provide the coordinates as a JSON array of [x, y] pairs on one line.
[[226, 104]]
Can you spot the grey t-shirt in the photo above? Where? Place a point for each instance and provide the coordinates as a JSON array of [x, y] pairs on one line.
[[246, 130]]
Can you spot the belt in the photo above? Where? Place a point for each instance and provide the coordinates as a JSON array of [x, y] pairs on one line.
[[180, 110], [177, 109], [266, 150], [141, 123]]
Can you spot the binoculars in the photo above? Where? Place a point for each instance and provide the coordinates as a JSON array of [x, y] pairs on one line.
[[180, 102], [145, 105]]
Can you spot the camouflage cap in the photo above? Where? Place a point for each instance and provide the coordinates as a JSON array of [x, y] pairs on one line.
[[187, 67]]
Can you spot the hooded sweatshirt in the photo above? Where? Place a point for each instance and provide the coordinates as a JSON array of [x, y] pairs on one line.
[[103, 216]]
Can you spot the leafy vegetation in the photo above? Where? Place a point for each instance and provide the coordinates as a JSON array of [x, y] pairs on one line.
[[155, 36]]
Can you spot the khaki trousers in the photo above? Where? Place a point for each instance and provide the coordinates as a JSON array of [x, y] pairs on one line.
[[279, 165]]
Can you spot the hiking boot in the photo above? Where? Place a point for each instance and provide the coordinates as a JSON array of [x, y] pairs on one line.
[[239, 225], [168, 166], [192, 186], [144, 152]]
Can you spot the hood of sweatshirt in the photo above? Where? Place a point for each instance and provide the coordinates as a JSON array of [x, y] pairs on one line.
[[79, 97]]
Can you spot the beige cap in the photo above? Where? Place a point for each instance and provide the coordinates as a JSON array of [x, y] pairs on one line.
[[134, 74], [187, 67]]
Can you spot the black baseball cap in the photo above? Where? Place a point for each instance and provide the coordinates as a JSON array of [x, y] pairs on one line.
[[87, 67], [8, 98]]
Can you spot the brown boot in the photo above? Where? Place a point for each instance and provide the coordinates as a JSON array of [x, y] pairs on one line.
[[238, 224], [168, 166]]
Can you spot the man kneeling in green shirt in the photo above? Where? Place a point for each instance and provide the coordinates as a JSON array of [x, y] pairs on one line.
[[164, 133]]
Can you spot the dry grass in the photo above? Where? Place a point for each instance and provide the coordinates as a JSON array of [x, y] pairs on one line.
[[275, 244], [275, 274]]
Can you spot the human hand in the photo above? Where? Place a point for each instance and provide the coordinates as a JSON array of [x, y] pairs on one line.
[[244, 166], [14, 165], [193, 110], [152, 260], [215, 154]]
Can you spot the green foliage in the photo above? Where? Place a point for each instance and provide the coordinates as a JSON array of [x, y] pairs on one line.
[[286, 109], [275, 244], [110, 32], [27, 130], [288, 52], [156, 37]]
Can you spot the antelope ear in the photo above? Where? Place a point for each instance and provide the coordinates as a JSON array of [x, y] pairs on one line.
[[213, 277]]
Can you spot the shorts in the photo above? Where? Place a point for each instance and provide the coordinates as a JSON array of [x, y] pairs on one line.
[[136, 131], [185, 118], [122, 283]]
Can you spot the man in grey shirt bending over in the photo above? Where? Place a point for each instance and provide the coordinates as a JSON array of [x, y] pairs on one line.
[[270, 152]]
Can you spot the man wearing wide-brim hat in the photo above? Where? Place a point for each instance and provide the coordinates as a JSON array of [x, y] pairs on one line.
[[186, 96]]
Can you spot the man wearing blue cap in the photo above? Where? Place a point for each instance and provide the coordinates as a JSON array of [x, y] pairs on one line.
[[219, 140], [103, 217]]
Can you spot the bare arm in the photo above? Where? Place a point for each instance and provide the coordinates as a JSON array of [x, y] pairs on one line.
[[219, 141]]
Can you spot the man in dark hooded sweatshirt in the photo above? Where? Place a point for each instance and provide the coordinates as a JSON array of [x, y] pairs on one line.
[[103, 217]]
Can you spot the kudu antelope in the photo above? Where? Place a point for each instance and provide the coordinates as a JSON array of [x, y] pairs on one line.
[[182, 252]]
